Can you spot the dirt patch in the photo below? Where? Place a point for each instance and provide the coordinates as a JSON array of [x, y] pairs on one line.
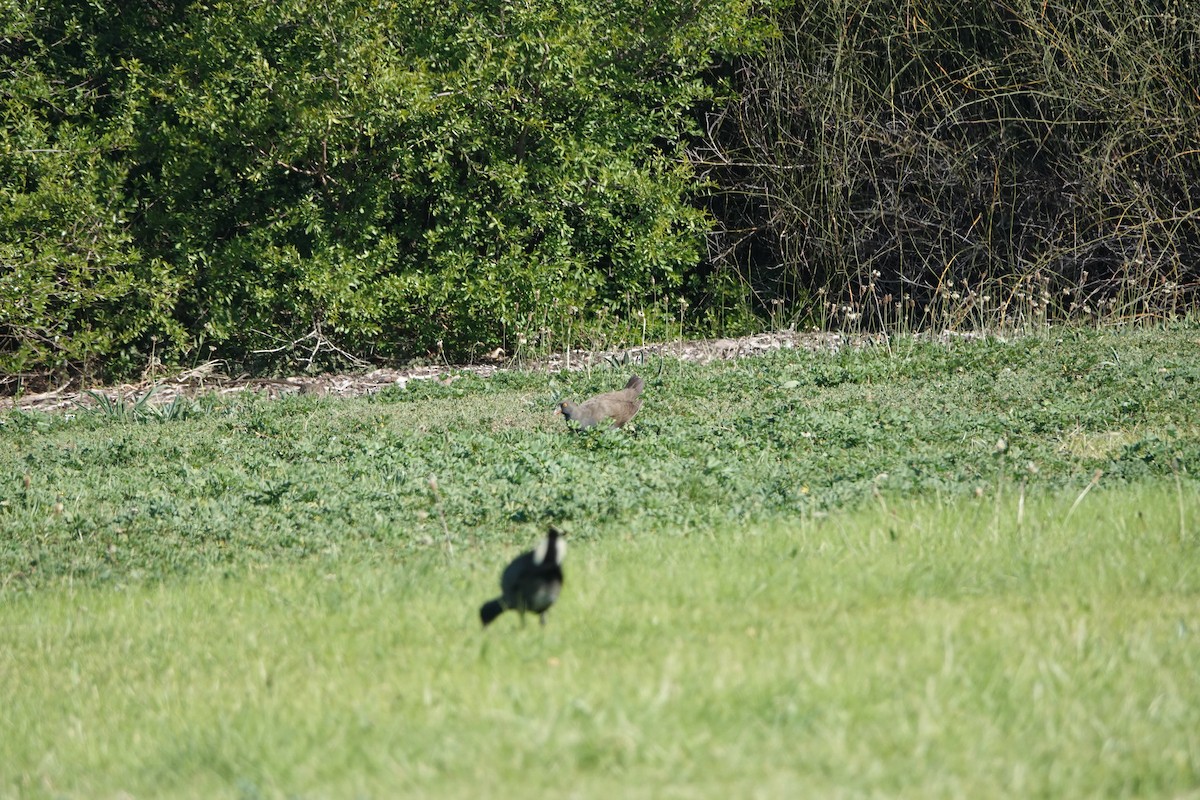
[[209, 378]]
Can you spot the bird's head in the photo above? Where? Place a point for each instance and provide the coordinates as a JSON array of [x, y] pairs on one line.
[[566, 408], [553, 547]]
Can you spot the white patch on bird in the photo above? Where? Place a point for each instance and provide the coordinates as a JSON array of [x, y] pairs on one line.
[[540, 552]]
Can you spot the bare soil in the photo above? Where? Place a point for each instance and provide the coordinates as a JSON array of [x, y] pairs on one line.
[[210, 379]]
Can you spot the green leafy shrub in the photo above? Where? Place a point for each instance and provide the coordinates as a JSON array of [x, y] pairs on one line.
[[73, 287], [364, 179]]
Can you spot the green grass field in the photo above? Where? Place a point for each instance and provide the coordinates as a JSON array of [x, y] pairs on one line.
[[871, 573]]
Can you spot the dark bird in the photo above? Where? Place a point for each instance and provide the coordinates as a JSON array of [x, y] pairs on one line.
[[619, 406], [532, 581]]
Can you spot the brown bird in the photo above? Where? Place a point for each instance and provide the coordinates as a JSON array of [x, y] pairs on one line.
[[619, 406]]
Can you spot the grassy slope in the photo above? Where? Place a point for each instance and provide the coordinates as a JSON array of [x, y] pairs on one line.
[[254, 482], [721, 633]]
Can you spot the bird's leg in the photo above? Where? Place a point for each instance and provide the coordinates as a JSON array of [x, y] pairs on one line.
[[543, 617]]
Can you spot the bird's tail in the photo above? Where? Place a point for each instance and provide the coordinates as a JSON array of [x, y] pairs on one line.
[[490, 610], [636, 383]]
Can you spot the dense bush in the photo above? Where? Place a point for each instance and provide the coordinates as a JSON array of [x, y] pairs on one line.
[[937, 162], [371, 178], [73, 286], [314, 181]]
